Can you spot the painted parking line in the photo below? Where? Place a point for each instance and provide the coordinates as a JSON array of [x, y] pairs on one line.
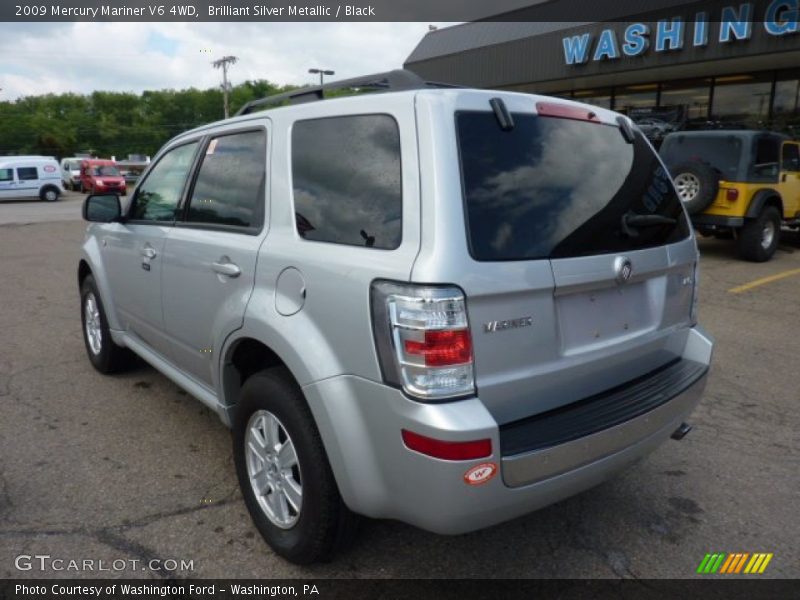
[[764, 280]]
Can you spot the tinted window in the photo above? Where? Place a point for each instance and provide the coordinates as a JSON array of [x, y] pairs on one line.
[[791, 157], [6, 175], [27, 173], [158, 196], [230, 185], [558, 187], [765, 160], [722, 152], [346, 176]]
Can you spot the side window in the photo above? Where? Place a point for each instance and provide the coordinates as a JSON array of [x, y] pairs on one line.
[[27, 173], [230, 184], [346, 179], [6, 175], [765, 163], [158, 196], [790, 158]]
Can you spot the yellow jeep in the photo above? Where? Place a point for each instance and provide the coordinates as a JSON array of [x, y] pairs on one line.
[[745, 182]]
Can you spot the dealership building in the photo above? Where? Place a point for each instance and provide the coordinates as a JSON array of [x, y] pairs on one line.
[[698, 64]]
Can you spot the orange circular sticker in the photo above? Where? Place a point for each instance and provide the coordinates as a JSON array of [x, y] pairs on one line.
[[480, 474]]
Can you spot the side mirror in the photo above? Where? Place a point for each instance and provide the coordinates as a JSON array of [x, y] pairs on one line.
[[102, 208]]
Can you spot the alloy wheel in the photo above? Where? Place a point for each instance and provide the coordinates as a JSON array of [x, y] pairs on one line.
[[273, 469]]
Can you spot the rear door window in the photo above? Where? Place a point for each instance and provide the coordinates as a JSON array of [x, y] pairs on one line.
[[346, 179], [229, 189], [6, 175], [556, 188]]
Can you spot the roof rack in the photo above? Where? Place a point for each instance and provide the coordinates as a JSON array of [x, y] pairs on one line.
[[397, 80]]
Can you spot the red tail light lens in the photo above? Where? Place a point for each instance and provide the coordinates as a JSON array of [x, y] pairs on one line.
[[447, 450], [443, 348], [732, 194]]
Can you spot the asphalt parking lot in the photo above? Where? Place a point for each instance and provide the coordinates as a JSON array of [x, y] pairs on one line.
[[130, 467]]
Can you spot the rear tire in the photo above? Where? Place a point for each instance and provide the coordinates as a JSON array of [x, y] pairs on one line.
[[759, 237], [320, 524], [697, 185], [103, 353], [48, 194]]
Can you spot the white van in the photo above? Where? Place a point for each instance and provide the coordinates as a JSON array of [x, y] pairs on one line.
[[71, 173], [30, 177]]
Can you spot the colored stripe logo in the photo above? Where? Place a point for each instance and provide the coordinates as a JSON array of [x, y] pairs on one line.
[[734, 563]]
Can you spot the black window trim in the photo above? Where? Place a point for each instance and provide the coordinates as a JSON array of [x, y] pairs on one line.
[[146, 175], [402, 190], [183, 205]]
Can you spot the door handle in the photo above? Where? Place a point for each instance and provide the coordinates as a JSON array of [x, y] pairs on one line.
[[227, 268], [149, 252]]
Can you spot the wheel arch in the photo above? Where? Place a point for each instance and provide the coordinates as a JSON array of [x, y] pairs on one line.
[[761, 199], [241, 358]]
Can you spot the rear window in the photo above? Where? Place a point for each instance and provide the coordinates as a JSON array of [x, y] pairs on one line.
[[556, 188], [722, 153]]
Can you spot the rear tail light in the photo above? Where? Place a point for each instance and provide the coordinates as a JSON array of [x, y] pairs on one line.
[[732, 194], [447, 450], [423, 340]]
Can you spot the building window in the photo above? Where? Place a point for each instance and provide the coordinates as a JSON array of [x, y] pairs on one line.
[[631, 98], [601, 98], [742, 101], [786, 106], [686, 102]]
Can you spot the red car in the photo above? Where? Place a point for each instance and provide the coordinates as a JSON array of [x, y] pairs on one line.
[[100, 176]]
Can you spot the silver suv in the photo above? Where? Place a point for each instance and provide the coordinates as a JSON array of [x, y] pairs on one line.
[[445, 306]]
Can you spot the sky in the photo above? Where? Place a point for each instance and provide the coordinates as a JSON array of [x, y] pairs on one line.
[[41, 58]]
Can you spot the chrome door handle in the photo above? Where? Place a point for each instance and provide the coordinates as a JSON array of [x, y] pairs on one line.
[[228, 269], [149, 252]]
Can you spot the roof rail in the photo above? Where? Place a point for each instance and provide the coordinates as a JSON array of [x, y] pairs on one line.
[[397, 80]]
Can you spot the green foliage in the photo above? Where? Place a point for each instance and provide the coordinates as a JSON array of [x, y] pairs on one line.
[[114, 123]]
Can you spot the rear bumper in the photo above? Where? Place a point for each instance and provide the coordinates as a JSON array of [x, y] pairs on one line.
[[703, 220], [360, 423]]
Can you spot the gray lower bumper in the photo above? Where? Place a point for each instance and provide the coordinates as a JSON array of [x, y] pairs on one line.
[[535, 466]]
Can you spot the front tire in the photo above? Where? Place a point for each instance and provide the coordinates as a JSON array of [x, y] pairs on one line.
[[759, 237], [284, 473], [103, 353]]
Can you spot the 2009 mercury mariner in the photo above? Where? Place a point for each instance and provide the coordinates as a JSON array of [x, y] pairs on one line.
[[440, 305]]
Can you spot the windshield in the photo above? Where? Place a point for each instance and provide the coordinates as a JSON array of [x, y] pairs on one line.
[[106, 171], [554, 188], [722, 152]]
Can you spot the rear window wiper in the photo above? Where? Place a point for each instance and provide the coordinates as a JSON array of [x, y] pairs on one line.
[[632, 221]]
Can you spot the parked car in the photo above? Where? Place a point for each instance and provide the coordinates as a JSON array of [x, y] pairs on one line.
[[71, 173], [101, 176], [29, 177], [655, 129], [742, 182], [449, 307]]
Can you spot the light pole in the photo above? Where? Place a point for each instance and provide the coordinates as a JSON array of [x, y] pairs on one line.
[[322, 73]]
